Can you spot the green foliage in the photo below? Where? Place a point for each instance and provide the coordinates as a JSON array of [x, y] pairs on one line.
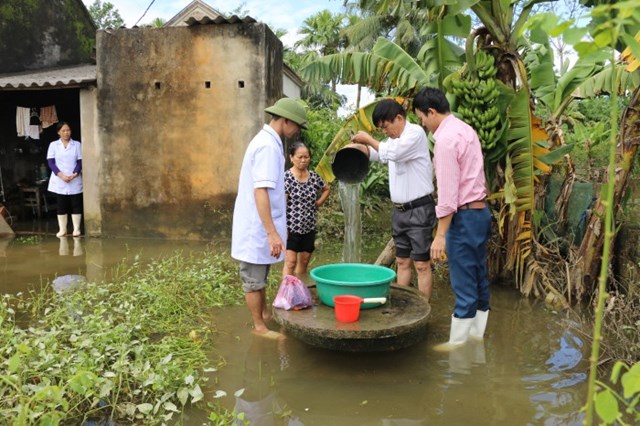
[[374, 190], [220, 416], [622, 408], [322, 32], [323, 124], [132, 349], [105, 15], [330, 224], [158, 23], [30, 240], [590, 156]]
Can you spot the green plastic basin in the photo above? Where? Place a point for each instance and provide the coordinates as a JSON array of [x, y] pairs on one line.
[[358, 279]]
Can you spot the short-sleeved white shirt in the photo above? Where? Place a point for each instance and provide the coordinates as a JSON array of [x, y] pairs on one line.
[[262, 167], [410, 168], [66, 160]]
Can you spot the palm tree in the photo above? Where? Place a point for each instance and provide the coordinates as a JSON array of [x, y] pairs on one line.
[[400, 23], [321, 35]]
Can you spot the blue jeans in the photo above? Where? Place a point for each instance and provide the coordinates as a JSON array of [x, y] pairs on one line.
[[467, 257]]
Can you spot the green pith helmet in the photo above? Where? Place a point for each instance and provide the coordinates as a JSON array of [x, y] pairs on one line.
[[291, 110]]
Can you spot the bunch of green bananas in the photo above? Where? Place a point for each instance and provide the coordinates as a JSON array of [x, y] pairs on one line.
[[476, 93]]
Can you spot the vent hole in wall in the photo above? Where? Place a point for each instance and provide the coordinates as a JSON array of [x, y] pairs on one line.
[[157, 84], [207, 84], [241, 84]]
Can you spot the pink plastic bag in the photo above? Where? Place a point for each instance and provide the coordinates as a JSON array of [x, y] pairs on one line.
[[292, 294]]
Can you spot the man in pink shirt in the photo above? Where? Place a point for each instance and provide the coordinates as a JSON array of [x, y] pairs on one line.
[[464, 221]]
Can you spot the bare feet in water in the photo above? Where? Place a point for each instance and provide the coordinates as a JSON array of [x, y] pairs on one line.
[[269, 334]]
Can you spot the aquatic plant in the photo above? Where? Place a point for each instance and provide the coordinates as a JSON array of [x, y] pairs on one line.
[[30, 240], [609, 402], [133, 349]]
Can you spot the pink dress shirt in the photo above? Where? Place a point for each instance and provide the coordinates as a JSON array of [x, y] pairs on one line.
[[457, 157]]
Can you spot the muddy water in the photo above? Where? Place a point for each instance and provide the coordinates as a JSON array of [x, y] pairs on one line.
[[531, 368]]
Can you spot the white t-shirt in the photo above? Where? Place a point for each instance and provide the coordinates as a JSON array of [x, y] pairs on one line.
[[262, 167], [410, 168], [66, 160]]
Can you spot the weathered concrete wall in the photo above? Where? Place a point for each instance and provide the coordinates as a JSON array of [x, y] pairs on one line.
[[177, 108], [39, 34], [91, 155]]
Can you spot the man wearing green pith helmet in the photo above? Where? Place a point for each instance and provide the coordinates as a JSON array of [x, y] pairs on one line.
[[259, 215]]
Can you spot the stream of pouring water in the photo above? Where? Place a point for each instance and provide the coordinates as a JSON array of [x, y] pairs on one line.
[[350, 199]]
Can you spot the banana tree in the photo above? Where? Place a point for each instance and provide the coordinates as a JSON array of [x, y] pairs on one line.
[[523, 157], [498, 36]]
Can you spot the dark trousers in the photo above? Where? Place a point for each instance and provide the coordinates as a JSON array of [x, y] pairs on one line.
[[467, 258], [69, 204]]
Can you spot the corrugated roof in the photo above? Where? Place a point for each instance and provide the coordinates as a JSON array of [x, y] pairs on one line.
[[67, 77], [220, 20]]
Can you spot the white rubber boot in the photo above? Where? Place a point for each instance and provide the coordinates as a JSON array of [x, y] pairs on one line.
[[77, 220], [458, 335], [479, 325], [62, 224]]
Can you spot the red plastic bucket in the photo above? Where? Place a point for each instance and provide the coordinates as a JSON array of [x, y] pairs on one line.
[[347, 308]]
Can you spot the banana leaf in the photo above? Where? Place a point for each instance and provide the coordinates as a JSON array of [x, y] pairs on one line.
[[387, 65], [360, 120]]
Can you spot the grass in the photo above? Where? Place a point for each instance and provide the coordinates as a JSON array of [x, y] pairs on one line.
[[132, 349]]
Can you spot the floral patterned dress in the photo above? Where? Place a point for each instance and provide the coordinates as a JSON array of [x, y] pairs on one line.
[[301, 202]]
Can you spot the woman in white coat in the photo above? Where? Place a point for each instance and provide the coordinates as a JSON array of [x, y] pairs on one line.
[[65, 161]]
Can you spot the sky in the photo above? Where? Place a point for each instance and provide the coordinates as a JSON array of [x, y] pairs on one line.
[[278, 14], [286, 14]]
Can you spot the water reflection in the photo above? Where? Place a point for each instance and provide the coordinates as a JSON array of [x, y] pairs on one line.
[[30, 262]]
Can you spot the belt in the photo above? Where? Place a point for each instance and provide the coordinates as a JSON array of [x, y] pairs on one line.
[[473, 205], [414, 203]]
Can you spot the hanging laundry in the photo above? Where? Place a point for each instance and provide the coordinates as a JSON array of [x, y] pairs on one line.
[[23, 116], [33, 131], [48, 116], [34, 117]]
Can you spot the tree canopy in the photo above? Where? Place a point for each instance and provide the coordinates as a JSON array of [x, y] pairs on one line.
[[105, 15]]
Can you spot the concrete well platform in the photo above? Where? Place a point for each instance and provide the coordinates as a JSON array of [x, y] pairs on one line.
[[399, 323]]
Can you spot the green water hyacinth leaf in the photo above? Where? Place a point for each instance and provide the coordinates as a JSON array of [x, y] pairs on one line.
[[607, 406], [170, 406], [14, 363], [631, 381], [82, 382], [196, 394], [144, 408], [183, 395]]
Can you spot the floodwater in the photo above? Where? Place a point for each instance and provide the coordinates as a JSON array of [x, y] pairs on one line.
[[531, 368]]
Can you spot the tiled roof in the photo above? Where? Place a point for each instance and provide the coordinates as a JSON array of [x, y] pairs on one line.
[[67, 77], [220, 20]]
